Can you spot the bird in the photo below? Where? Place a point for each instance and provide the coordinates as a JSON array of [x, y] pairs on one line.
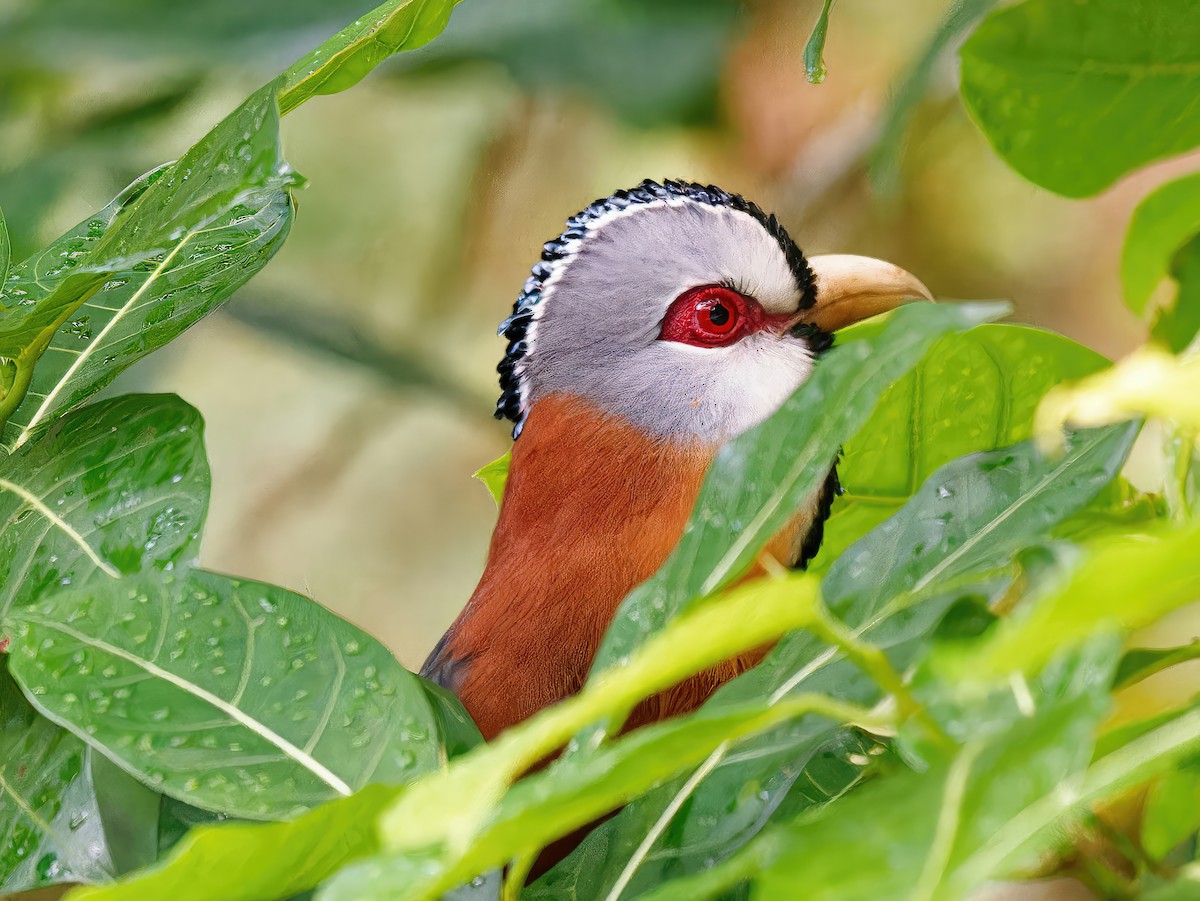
[[664, 321]]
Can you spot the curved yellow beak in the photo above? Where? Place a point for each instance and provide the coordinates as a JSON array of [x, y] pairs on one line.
[[852, 288]]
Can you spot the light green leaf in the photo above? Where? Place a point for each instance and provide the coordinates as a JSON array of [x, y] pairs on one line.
[[346, 58], [442, 813], [915, 834], [1075, 95], [49, 824], [231, 695], [814, 49], [236, 166], [1109, 588], [958, 535], [1172, 811], [1148, 382], [758, 481], [119, 486], [134, 314], [1165, 220], [253, 861], [494, 476], [572, 793]]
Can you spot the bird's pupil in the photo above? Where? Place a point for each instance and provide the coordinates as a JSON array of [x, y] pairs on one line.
[[717, 314]]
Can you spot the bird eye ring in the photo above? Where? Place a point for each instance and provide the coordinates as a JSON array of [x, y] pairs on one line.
[[708, 316]]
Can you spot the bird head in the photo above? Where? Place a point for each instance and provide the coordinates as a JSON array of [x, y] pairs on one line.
[[683, 309]]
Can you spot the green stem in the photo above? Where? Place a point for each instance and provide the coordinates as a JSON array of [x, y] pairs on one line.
[[1184, 441], [514, 881]]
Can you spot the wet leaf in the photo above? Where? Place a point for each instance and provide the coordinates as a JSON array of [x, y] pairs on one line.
[[757, 481], [972, 392], [236, 166], [129, 813], [138, 311], [50, 830], [1075, 95], [572, 793], [119, 486], [958, 535], [346, 58], [231, 695]]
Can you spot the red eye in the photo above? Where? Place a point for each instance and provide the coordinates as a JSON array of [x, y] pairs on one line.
[[708, 316]]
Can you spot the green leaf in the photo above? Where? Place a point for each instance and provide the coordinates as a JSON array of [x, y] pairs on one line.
[[5, 253], [1099, 594], [1075, 95], [231, 695], [573, 792], [1178, 325], [234, 167], [253, 861], [914, 834], [814, 49], [133, 314], [441, 813], [50, 829], [757, 481], [957, 535], [494, 476], [119, 486], [1172, 811], [1141, 663], [346, 58], [1165, 220]]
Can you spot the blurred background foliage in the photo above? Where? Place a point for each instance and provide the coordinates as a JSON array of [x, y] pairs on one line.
[[348, 390]]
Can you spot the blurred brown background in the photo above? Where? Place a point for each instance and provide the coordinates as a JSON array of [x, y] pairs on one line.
[[348, 389]]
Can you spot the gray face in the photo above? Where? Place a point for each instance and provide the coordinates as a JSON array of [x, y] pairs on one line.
[[595, 333]]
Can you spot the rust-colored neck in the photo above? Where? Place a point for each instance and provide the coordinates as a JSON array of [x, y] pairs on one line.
[[592, 507]]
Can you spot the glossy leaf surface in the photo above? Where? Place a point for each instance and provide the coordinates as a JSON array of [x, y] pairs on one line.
[[50, 829], [957, 536], [231, 695], [119, 486]]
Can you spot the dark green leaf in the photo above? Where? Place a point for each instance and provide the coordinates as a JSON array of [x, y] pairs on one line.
[[570, 794], [235, 166], [50, 829], [129, 813], [814, 49], [1075, 95], [957, 535], [231, 695], [1141, 663], [760, 479], [915, 834], [136, 313], [1165, 220], [256, 861], [118, 486], [346, 58]]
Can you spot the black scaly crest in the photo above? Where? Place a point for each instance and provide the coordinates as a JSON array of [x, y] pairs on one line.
[[554, 254]]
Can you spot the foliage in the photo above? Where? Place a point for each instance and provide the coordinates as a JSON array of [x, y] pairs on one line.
[[932, 714]]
